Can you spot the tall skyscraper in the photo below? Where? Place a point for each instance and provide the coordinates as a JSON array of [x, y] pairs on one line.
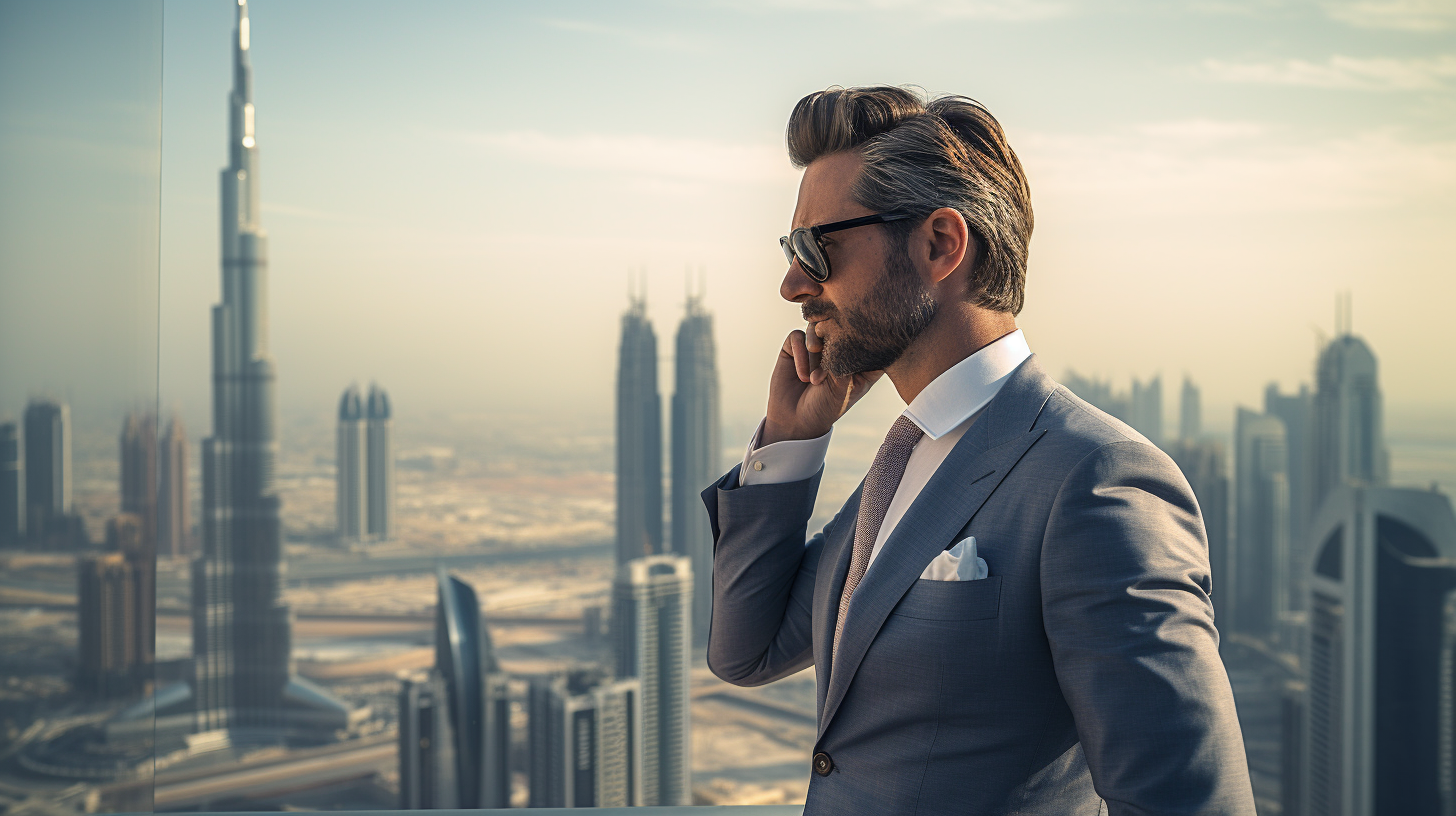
[[379, 467], [427, 769], [455, 739], [12, 485], [639, 438], [241, 634], [1379, 711], [652, 634], [47, 465], [1349, 436], [174, 521], [116, 611], [1261, 512], [696, 442], [139, 476], [351, 495], [1147, 409], [1190, 412], [106, 604], [584, 741], [1296, 411], [1205, 466]]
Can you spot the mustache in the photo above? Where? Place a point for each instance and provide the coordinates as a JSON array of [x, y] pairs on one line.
[[812, 309]]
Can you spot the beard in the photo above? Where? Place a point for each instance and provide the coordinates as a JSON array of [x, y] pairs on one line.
[[875, 333]]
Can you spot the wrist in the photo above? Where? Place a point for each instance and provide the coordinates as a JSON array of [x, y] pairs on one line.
[[776, 432]]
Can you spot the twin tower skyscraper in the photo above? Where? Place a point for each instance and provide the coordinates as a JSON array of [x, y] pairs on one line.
[[695, 447]]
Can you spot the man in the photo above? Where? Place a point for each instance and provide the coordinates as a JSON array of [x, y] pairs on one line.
[[1011, 614]]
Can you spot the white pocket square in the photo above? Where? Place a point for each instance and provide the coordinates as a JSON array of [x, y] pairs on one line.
[[959, 563]]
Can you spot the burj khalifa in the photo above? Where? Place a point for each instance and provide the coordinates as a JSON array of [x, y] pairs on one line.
[[243, 680]]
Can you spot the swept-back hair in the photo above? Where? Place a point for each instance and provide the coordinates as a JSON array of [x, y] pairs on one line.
[[921, 154]]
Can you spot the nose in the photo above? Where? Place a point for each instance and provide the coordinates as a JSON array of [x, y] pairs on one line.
[[798, 285]]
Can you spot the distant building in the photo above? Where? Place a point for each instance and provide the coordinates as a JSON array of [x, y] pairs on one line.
[[1349, 435], [1142, 409], [12, 485], [652, 638], [427, 769], [585, 742], [1291, 747], [379, 467], [116, 612], [1147, 409], [105, 617], [1190, 412], [454, 748], [47, 466], [1261, 513], [696, 442], [1378, 719], [351, 495], [174, 522], [1100, 394], [1205, 466], [1296, 411], [242, 635], [139, 476], [639, 438]]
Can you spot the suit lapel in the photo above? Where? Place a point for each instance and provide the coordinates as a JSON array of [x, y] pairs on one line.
[[828, 585], [964, 481]]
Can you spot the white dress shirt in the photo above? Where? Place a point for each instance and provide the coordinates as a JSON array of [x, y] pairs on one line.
[[944, 410]]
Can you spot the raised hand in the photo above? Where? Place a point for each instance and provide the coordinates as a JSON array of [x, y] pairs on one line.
[[804, 400]]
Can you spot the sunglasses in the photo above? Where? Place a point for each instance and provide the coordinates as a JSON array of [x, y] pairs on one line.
[[803, 243]]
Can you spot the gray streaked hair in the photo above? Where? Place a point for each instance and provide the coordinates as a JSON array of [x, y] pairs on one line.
[[921, 154]]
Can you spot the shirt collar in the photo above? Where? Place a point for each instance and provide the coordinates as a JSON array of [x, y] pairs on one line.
[[966, 387]]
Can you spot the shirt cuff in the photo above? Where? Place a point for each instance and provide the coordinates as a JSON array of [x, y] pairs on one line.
[[792, 460]]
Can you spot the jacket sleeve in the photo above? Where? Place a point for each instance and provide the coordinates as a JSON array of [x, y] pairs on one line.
[[1125, 594], [763, 578]]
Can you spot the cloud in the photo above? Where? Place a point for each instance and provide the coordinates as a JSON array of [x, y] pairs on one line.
[[636, 38], [1402, 15], [1183, 168], [1342, 73], [649, 160], [1008, 10]]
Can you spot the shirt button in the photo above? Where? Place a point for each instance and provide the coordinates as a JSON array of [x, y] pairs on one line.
[[823, 764], [758, 465]]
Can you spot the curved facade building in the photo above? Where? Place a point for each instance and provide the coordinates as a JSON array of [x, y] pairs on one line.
[[477, 703], [1379, 729]]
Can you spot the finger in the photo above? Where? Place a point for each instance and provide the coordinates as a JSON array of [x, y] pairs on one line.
[[802, 365], [812, 339]]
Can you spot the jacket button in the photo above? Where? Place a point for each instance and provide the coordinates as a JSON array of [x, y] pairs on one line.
[[823, 764]]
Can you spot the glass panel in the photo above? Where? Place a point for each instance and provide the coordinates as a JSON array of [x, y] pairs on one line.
[[82, 462]]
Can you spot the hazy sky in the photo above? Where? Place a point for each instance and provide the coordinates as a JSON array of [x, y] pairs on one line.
[[455, 192]]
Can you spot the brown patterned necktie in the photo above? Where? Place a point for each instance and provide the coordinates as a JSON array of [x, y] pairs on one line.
[[879, 488]]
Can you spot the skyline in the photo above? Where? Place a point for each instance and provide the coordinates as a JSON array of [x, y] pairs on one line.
[[1324, 145]]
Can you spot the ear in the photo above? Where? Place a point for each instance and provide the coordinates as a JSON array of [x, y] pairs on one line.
[[946, 242]]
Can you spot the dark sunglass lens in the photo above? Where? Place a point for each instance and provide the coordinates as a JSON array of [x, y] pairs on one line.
[[788, 250], [810, 257]]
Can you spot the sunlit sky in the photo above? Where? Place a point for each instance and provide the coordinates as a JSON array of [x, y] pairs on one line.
[[457, 192]]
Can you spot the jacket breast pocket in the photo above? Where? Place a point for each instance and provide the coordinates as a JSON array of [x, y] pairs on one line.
[[952, 600]]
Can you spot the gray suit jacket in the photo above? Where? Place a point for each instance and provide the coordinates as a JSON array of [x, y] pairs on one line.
[[1081, 677]]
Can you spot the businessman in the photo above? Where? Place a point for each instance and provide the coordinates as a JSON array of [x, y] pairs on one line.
[[1011, 614]]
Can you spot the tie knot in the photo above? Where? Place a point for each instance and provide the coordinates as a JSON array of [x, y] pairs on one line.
[[904, 433]]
